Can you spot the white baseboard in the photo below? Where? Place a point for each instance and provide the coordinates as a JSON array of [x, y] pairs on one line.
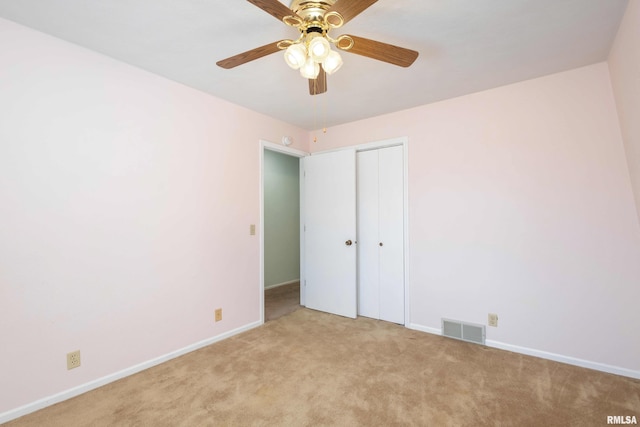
[[281, 284], [544, 355], [68, 394], [73, 392], [435, 331], [566, 359]]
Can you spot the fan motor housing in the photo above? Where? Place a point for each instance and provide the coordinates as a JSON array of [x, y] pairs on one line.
[[311, 10]]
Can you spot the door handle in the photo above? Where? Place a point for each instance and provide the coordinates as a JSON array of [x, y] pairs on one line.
[[381, 244], [348, 243]]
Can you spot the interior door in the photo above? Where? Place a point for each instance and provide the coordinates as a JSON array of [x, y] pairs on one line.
[[330, 231], [381, 234], [368, 230], [391, 234]]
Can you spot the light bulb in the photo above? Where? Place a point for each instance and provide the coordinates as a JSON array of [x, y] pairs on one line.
[[310, 69], [295, 55], [332, 62], [319, 48]]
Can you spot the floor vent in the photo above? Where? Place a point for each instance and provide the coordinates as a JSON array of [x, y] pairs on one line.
[[463, 331]]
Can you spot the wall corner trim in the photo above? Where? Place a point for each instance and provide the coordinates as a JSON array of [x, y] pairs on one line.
[[91, 385]]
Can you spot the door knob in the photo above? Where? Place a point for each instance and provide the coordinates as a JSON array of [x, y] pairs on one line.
[[348, 243], [381, 244]]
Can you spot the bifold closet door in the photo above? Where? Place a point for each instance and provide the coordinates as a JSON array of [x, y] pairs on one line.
[[381, 234], [368, 249]]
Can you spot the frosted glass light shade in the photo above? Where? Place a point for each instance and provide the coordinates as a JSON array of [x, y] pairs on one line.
[[319, 48], [310, 69], [332, 62], [295, 55]]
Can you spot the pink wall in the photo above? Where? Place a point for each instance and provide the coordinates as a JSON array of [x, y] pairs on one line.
[[520, 204], [624, 65], [125, 204]]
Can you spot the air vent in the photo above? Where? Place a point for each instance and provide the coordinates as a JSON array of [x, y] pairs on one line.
[[463, 331]]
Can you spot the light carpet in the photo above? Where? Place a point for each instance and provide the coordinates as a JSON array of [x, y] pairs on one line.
[[315, 369]]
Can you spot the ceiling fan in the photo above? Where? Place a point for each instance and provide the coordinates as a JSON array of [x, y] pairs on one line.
[[311, 53]]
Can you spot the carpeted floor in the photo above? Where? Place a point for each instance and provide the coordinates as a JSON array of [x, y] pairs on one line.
[[310, 368], [281, 301]]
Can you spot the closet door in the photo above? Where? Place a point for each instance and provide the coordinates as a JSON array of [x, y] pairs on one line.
[[391, 233], [368, 249], [330, 231], [380, 234]]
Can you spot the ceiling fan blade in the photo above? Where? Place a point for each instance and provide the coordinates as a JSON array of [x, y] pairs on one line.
[[381, 51], [273, 8], [248, 56], [319, 84], [349, 9]]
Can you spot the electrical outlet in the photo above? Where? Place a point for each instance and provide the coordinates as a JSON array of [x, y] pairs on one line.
[[218, 314], [73, 359], [493, 320]]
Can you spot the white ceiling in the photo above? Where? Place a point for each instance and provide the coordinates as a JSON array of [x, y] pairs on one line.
[[465, 46]]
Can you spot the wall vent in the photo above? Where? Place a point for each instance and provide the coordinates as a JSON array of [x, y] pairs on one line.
[[469, 332]]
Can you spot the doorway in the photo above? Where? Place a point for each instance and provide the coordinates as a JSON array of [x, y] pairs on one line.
[[264, 145], [280, 236]]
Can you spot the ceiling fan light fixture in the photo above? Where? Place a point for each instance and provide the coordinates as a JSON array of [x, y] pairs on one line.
[[319, 48], [310, 69], [311, 52], [332, 62], [295, 55]]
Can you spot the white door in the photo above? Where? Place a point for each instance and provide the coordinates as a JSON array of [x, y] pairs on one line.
[[391, 234], [330, 232], [381, 234], [368, 249]]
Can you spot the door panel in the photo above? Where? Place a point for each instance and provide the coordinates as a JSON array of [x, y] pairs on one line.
[[391, 233], [381, 234], [330, 221], [368, 249]]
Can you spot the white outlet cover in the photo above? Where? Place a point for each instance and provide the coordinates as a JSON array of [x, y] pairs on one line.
[[493, 319]]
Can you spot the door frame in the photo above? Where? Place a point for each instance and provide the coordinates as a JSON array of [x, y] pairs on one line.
[[267, 145], [404, 142]]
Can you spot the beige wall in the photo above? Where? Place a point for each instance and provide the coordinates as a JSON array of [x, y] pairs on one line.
[[624, 65]]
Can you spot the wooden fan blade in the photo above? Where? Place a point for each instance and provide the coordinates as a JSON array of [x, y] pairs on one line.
[[273, 8], [248, 56], [349, 9], [381, 51], [319, 84]]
